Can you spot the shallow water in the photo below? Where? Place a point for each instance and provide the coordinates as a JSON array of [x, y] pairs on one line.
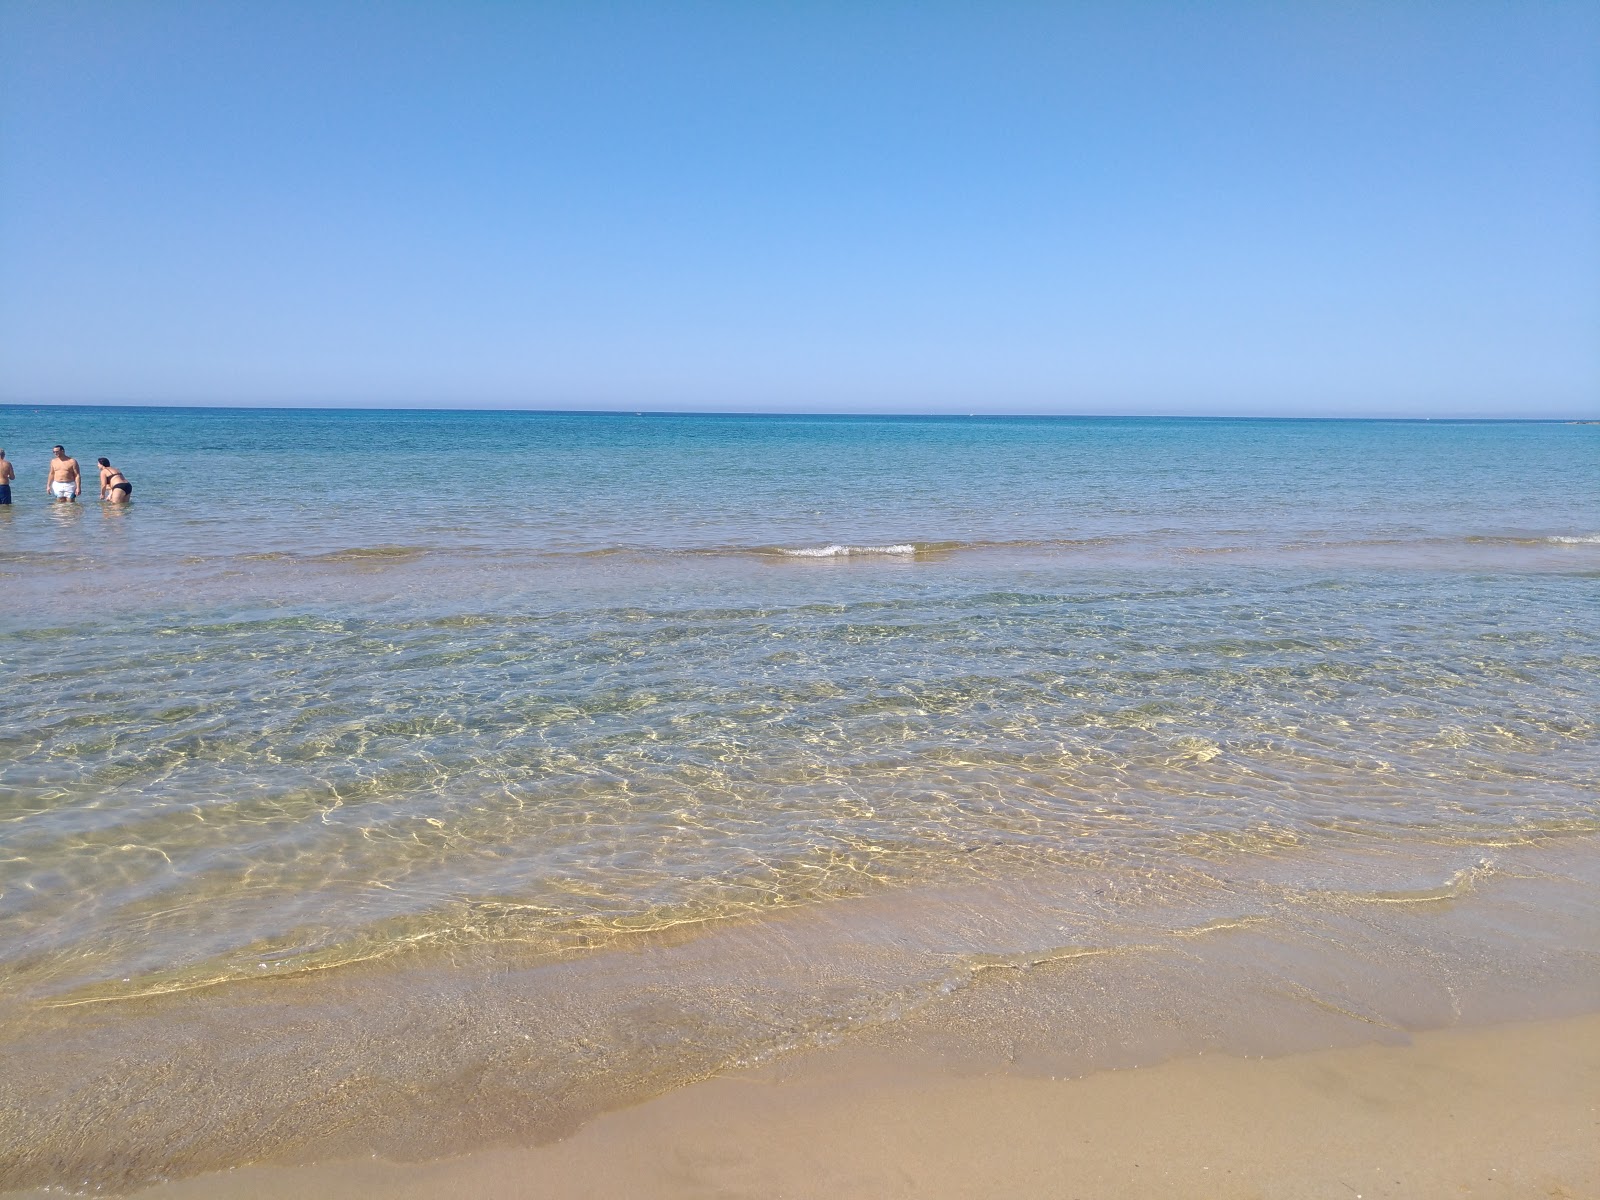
[[346, 688]]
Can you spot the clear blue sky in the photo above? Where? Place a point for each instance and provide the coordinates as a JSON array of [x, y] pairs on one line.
[[1292, 207]]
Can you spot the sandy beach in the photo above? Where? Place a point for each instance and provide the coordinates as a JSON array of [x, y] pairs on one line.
[[1436, 1042], [1503, 1111], [769, 602]]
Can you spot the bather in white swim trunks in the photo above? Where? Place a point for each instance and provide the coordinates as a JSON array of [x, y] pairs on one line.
[[62, 489]]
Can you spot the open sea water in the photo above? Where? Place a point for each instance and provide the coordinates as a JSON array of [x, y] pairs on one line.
[[357, 688]]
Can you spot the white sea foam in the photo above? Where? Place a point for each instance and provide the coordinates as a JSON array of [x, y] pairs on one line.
[[835, 550], [1591, 539]]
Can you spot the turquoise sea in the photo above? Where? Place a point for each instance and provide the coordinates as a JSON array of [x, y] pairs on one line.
[[349, 707]]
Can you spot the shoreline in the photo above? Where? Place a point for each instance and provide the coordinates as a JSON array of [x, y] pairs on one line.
[[1499, 1111], [1065, 974]]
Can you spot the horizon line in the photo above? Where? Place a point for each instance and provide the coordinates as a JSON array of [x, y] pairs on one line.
[[782, 413]]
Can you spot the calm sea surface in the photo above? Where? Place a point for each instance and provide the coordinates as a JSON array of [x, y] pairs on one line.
[[339, 685]]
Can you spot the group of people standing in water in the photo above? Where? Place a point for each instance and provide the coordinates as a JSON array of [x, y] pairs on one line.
[[65, 480]]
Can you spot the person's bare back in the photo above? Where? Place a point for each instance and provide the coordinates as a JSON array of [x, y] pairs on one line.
[[65, 479], [114, 485]]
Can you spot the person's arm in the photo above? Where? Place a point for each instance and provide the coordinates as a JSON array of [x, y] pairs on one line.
[[77, 481]]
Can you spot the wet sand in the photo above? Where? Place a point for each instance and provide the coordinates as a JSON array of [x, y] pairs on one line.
[[852, 1047], [1503, 1111]]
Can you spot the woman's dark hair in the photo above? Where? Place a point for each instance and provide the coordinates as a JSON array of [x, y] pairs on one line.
[[104, 462]]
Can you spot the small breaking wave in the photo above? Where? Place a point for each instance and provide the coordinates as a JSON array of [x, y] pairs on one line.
[[1454, 888], [837, 550], [1558, 539]]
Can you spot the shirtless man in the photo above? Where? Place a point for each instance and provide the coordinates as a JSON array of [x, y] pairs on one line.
[[65, 479], [7, 474]]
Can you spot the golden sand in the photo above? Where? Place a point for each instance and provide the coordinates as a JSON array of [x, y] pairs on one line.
[[1503, 1111]]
